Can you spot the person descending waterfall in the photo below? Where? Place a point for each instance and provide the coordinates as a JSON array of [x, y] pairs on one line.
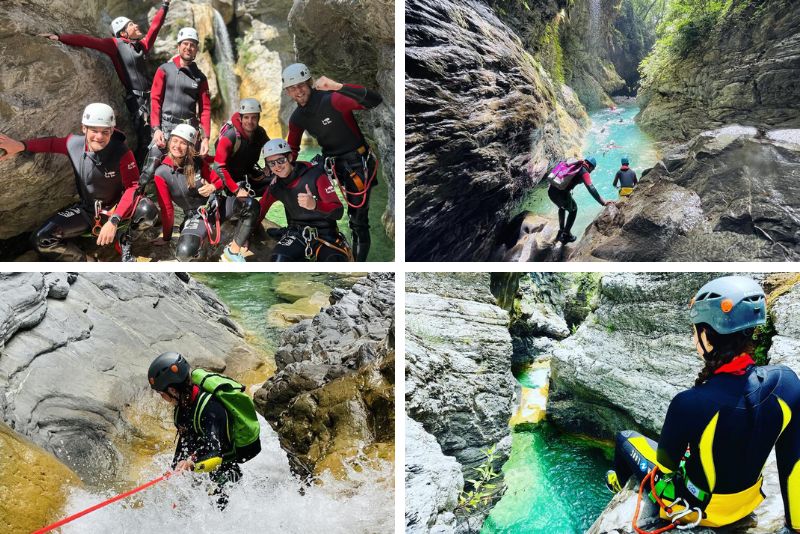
[[563, 179], [325, 110], [311, 205], [179, 95], [128, 50], [189, 182], [238, 149], [626, 178], [106, 180], [215, 418], [707, 465]]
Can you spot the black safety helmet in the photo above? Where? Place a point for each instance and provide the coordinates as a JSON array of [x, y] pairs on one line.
[[169, 369], [145, 214]]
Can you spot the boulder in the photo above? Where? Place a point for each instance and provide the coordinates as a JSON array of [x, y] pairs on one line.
[[68, 375], [304, 308]]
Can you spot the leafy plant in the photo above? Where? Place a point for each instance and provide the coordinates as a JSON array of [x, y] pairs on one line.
[[481, 492]]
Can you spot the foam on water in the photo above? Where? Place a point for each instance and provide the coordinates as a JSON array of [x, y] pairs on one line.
[[267, 499]]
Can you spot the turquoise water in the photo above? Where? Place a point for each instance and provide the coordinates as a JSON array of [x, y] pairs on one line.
[[612, 135], [554, 482], [250, 295], [382, 248]]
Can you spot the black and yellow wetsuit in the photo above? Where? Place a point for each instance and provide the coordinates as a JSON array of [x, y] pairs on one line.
[[729, 425]]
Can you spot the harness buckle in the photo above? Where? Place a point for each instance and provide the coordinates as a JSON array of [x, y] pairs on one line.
[[98, 209], [309, 234]]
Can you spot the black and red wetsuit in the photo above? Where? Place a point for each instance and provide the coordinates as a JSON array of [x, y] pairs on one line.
[[236, 155], [179, 95], [172, 186], [328, 117], [105, 180], [322, 219], [129, 59]]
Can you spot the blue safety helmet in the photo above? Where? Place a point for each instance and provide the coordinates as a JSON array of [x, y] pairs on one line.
[[592, 164], [729, 304], [626, 161]]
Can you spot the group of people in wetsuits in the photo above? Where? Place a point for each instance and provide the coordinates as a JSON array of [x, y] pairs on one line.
[[171, 116]]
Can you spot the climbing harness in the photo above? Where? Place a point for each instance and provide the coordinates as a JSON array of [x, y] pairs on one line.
[[311, 236], [329, 166], [98, 213], [203, 212], [674, 515]]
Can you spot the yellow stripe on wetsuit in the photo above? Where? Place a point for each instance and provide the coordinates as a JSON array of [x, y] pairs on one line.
[[787, 414], [707, 453], [793, 497]]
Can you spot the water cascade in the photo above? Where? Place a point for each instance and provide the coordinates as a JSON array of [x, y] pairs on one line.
[[594, 21], [224, 63]]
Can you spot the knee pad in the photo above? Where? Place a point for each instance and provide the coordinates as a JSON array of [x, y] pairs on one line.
[[188, 247], [145, 214], [250, 208]]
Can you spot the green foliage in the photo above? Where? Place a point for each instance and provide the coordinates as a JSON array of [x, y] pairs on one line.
[[762, 338], [480, 493], [552, 52]]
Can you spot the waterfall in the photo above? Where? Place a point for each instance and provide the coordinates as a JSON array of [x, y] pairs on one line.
[[594, 21], [223, 57]]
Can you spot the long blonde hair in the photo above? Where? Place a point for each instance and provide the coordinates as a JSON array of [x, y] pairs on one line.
[[188, 163]]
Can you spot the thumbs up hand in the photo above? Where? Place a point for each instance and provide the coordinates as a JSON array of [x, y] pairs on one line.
[[307, 200]]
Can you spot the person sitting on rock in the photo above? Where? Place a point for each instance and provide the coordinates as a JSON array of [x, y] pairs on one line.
[[311, 205], [128, 50], [206, 430], [179, 95], [106, 178], [561, 195], [325, 110], [626, 178], [188, 181], [238, 149], [717, 435]]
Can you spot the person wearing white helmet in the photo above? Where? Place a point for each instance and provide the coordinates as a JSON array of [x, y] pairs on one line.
[[325, 110], [311, 206], [187, 180], [238, 149], [128, 50], [106, 178]]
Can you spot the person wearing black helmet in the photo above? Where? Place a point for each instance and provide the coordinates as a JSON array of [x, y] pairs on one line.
[[204, 441], [560, 192], [717, 435]]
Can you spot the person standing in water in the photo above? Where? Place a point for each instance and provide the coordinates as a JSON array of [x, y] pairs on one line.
[[626, 178], [709, 460]]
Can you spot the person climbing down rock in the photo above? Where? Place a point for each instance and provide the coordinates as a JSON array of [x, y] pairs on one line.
[[626, 178], [311, 205], [128, 50], [325, 110], [179, 95], [188, 181], [565, 177], [215, 418], [707, 465], [106, 178]]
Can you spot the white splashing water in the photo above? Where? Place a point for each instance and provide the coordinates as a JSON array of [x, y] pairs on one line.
[[267, 499], [224, 62], [594, 21]]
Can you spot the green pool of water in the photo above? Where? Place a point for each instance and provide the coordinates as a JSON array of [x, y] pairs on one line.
[[612, 135], [382, 248], [250, 295]]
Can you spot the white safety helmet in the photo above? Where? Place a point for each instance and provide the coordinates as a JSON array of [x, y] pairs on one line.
[[249, 105], [119, 24], [99, 114], [188, 34], [294, 74], [185, 132], [275, 147]]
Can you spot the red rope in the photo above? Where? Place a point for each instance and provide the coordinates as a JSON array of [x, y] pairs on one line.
[[363, 193], [212, 240], [102, 504], [652, 476]]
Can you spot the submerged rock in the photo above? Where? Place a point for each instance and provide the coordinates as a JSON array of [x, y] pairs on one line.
[[333, 395], [731, 194], [68, 374]]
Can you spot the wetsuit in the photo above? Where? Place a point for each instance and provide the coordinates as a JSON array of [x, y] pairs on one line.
[[179, 95], [203, 433], [313, 231], [563, 199], [626, 177], [172, 186], [729, 424], [129, 59], [328, 117], [236, 157], [106, 182]]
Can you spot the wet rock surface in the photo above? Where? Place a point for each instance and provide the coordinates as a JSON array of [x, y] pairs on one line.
[[80, 354], [484, 120], [745, 71], [730, 194], [333, 394]]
